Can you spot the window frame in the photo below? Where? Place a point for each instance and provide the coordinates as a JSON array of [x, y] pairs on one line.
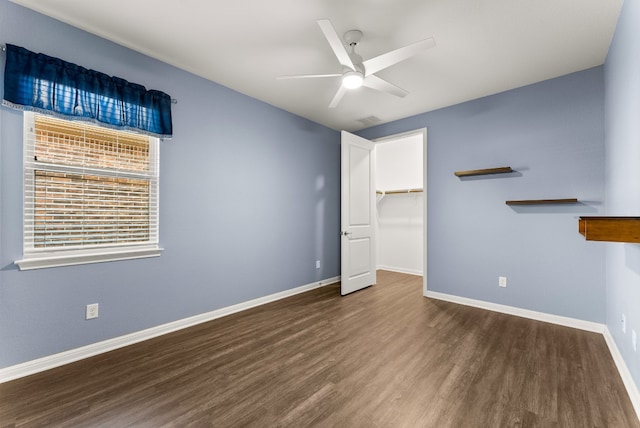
[[37, 258]]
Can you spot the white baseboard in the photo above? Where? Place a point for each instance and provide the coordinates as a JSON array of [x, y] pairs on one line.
[[66, 357], [632, 389], [400, 270], [625, 374], [524, 313]]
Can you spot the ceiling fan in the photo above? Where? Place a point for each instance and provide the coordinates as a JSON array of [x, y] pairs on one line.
[[355, 71]]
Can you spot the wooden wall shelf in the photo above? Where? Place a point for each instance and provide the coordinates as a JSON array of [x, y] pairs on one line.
[[612, 229], [543, 201], [488, 171]]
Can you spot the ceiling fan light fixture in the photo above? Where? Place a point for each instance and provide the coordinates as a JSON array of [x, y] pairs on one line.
[[352, 79]]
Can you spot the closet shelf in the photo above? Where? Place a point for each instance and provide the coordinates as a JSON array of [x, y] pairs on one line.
[[487, 171], [400, 191], [612, 229], [543, 201]]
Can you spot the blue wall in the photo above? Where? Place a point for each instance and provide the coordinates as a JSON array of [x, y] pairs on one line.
[[552, 134], [249, 200], [622, 106]]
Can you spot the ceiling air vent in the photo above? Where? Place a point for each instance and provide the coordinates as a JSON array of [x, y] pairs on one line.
[[369, 121]]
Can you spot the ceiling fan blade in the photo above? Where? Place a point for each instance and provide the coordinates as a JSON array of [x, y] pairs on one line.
[[336, 43], [390, 58], [336, 99], [307, 76], [374, 82]]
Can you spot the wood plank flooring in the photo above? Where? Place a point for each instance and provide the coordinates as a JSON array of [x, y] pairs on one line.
[[382, 357]]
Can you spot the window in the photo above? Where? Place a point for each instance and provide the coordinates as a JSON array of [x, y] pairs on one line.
[[90, 193]]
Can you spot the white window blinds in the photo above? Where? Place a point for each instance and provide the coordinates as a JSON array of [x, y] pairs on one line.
[[87, 188]]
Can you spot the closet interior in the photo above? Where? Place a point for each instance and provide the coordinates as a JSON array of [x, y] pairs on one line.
[[400, 202]]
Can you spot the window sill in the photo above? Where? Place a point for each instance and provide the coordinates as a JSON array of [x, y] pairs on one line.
[[41, 261]]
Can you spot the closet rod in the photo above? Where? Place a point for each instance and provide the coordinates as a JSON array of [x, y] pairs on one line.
[[394, 192]]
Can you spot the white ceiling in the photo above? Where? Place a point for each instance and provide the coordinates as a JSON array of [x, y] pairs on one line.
[[482, 46]]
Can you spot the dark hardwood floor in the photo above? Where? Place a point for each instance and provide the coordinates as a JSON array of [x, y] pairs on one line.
[[382, 357]]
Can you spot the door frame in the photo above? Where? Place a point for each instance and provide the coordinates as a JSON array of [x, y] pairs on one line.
[[423, 133]]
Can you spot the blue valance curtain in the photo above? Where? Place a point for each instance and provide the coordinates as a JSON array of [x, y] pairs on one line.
[[34, 81]]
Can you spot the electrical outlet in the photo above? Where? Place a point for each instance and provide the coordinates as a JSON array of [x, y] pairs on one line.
[[317, 264], [502, 281], [623, 321], [92, 311], [634, 340]]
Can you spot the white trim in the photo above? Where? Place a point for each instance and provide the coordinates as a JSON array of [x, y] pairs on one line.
[[625, 374], [66, 357], [49, 261], [524, 313], [400, 270]]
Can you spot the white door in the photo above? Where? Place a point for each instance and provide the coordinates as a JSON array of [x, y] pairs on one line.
[[358, 196]]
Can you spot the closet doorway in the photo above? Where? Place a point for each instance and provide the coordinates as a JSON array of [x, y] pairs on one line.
[[401, 203]]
